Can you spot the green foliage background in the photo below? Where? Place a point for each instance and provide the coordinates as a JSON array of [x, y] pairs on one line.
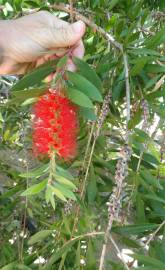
[[30, 227]]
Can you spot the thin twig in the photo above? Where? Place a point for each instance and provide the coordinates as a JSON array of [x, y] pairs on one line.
[[87, 21], [71, 10], [26, 202], [87, 169], [150, 239], [102, 116], [127, 93], [82, 170], [154, 233], [104, 248], [146, 145], [88, 145], [162, 152], [119, 252], [158, 84]]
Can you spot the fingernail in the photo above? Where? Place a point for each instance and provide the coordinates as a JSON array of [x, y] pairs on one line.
[[78, 26]]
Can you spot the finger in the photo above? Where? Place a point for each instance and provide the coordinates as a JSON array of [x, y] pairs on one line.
[[79, 50], [67, 35]]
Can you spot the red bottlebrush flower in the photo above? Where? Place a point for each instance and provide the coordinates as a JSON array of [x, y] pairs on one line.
[[55, 126]]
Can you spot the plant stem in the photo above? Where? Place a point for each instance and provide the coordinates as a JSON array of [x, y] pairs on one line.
[[52, 167]]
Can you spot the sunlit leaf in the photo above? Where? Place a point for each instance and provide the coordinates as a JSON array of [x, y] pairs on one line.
[[35, 188], [85, 86]]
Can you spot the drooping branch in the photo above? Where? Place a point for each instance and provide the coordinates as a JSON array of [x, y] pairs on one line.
[[111, 40], [113, 209], [90, 23]]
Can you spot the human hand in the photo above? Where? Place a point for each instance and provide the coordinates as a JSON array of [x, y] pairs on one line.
[[29, 41]]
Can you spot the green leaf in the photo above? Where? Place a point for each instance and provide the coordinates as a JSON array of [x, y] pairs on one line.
[[146, 174], [150, 159], [66, 192], [83, 85], [35, 188], [135, 119], [112, 4], [79, 98], [147, 260], [152, 82], [139, 65], [156, 40], [154, 68], [29, 101], [140, 209], [135, 229], [62, 62], [91, 261], [1, 118], [154, 197], [88, 114], [64, 173], [15, 266], [144, 51], [11, 192], [9, 266], [33, 78], [49, 196], [142, 134], [89, 73], [37, 172], [118, 89], [62, 262], [145, 268], [25, 94], [159, 110], [92, 186], [39, 236], [78, 257], [64, 181], [58, 253], [129, 242], [58, 193]]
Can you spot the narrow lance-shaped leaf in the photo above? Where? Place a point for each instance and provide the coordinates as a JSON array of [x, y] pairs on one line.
[[83, 85], [135, 229], [65, 191], [89, 73], [88, 114], [37, 172], [156, 40], [34, 77], [39, 236], [149, 261], [35, 188], [64, 181], [65, 173], [58, 253], [49, 196], [79, 98], [58, 193]]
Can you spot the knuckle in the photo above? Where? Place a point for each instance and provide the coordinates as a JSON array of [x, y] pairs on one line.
[[44, 13], [66, 34]]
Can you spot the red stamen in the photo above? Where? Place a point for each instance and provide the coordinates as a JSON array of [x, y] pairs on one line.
[[55, 126]]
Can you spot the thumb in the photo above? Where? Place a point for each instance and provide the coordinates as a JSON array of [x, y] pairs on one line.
[[68, 35]]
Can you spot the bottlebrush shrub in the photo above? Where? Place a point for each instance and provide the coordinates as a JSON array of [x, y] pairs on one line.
[[55, 126]]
